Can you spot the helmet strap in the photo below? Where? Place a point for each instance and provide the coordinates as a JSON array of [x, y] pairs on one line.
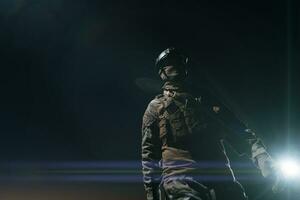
[[162, 71]]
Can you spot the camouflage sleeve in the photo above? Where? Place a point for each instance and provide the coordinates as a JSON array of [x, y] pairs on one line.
[[259, 154], [247, 143], [243, 140], [151, 151]]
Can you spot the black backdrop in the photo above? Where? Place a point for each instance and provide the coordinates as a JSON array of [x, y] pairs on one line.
[[68, 70]]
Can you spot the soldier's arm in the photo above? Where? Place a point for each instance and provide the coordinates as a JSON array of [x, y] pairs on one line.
[[241, 138], [151, 154], [247, 143]]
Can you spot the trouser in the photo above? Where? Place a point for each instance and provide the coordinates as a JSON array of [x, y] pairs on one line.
[[187, 188]]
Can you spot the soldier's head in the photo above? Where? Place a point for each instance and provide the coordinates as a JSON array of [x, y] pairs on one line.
[[171, 65]]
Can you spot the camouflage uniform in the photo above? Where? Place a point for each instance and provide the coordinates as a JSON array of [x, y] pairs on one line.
[[183, 135]]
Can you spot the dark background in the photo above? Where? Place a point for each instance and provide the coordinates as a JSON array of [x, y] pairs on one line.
[[68, 71]]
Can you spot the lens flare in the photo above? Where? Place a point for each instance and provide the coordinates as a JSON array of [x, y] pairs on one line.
[[290, 168]]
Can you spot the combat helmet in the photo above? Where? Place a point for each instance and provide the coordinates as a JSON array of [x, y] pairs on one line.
[[171, 56]]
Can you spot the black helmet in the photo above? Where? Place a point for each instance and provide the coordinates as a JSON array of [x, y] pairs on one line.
[[171, 56]]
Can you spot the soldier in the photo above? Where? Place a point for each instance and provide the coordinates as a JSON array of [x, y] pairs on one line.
[[183, 136]]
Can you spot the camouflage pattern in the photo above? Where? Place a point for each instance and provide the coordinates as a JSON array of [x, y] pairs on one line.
[[183, 129]]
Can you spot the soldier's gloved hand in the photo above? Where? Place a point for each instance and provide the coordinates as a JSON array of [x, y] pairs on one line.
[[272, 172], [280, 182], [279, 185]]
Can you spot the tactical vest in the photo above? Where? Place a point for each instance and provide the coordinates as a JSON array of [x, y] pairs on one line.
[[180, 118]]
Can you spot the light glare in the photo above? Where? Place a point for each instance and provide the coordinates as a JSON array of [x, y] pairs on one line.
[[290, 168]]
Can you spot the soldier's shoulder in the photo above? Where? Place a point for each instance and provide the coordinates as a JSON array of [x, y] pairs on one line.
[[156, 104], [153, 110], [157, 100]]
